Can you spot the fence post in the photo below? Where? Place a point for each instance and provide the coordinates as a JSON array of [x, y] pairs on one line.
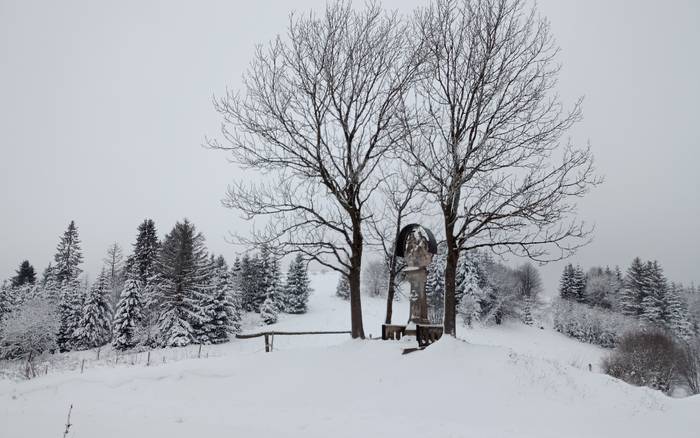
[[148, 358], [82, 365], [98, 353], [267, 343], [199, 352]]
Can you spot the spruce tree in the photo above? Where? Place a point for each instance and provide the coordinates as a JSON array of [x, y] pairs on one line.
[[269, 311], [435, 288], [94, 327], [579, 285], [567, 283], [635, 288], [342, 290], [127, 316], [68, 256], [145, 254], [223, 312], [25, 275], [182, 284], [527, 311], [297, 288], [653, 304], [469, 289], [677, 317], [69, 313]]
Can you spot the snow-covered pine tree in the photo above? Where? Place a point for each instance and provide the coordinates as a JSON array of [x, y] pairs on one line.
[[5, 303], [469, 288], [566, 284], [144, 259], [275, 283], [435, 288], [297, 289], [269, 311], [342, 290], [70, 306], [127, 316], [677, 316], [182, 281], [24, 275], [579, 285], [69, 255], [653, 304], [635, 288], [222, 310], [94, 326]]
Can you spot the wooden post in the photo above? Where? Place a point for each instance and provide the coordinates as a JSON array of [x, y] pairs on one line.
[[82, 365], [46, 371], [199, 352], [267, 343], [148, 358], [272, 341], [98, 353]]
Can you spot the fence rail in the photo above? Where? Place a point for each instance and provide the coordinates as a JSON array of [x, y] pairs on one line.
[[270, 335]]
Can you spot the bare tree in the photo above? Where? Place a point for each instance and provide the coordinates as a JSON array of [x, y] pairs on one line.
[[319, 113], [114, 264], [488, 134], [399, 200], [529, 281]]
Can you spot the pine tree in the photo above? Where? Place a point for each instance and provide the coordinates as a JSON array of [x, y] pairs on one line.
[[145, 256], [635, 288], [182, 285], [94, 327], [343, 288], [223, 312], [25, 275], [297, 289], [653, 304], [579, 285], [5, 303], [677, 316], [69, 313], [69, 255], [127, 316], [435, 288], [567, 283], [469, 289], [269, 311]]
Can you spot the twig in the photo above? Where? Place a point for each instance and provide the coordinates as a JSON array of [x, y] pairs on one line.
[[68, 423]]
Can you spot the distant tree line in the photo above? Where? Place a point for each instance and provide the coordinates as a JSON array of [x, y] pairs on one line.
[[653, 324], [165, 293]]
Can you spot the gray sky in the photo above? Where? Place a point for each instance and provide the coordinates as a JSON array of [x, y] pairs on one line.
[[103, 108]]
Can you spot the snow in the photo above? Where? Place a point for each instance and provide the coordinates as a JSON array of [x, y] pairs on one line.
[[508, 381]]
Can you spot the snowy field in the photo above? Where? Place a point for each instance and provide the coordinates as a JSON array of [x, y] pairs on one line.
[[508, 381]]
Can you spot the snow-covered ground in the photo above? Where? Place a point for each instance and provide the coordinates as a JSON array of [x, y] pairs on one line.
[[509, 381]]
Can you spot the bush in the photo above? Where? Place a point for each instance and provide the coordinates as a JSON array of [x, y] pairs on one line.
[[689, 365], [589, 324], [645, 358], [29, 330]]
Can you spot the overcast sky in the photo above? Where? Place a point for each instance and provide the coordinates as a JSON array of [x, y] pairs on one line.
[[104, 105]]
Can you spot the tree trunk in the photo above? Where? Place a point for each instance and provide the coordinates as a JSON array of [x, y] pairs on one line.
[[354, 280], [450, 319], [390, 293]]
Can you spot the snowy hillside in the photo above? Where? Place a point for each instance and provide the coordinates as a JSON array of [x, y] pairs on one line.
[[509, 381]]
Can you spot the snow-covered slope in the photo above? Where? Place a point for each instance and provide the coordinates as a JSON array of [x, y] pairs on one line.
[[511, 381]]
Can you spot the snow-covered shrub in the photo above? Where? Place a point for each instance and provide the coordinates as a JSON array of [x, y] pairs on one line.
[[29, 330], [589, 324], [645, 358], [689, 365]]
